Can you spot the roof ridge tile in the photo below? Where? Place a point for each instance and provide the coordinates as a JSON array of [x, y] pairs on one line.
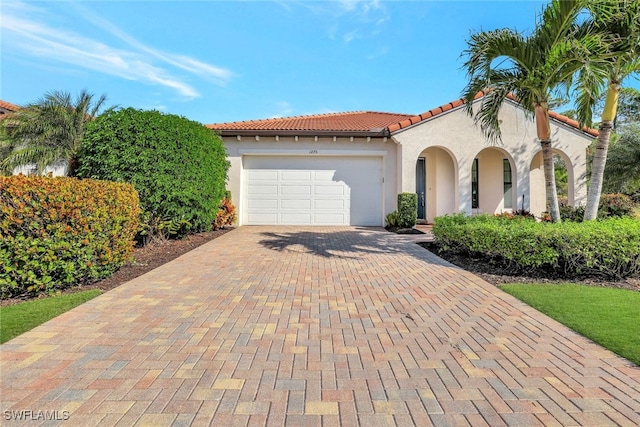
[[461, 101]]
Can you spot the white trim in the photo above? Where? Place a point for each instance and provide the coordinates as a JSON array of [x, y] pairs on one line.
[[312, 152]]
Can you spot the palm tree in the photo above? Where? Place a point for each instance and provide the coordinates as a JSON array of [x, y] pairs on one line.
[[621, 21], [624, 158], [48, 130], [536, 69]]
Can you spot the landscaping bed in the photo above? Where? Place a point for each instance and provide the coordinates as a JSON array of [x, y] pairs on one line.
[[162, 251], [495, 275], [146, 259]]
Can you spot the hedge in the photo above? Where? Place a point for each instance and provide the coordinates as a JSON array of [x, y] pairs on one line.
[[608, 248], [59, 232], [407, 210], [178, 166]]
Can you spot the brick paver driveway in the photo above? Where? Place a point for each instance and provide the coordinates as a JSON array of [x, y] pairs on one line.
[[312, 326]]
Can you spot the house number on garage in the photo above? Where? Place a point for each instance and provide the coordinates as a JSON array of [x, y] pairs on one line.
[[313, 151]]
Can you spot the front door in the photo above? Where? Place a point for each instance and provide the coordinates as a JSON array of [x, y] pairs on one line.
[[421, 186]]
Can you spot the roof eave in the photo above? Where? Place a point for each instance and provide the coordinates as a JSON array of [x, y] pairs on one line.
[[289, 132]]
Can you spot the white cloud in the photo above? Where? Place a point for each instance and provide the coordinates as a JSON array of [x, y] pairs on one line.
[[25, 31], [283, 108], [350, 19]]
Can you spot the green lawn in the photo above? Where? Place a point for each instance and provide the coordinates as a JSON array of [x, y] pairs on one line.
[[610, 317], [19, 318]]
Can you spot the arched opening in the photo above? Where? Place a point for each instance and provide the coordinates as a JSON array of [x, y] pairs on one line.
[[436, 183], [565, 182], [493, 182]]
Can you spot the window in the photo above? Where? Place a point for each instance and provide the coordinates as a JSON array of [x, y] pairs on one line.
[[475, 204], [507, 186]]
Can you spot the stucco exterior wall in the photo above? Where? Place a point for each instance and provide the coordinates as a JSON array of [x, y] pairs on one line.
[[455, 132], [311, 146], [58, 168]]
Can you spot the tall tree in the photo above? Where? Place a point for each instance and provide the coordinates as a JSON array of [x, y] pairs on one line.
[[620, 21], [537, 69], [623, 165], [48, 130]]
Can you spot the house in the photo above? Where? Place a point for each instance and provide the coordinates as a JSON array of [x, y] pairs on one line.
[[348, 168], [7, 107], [56, 169]]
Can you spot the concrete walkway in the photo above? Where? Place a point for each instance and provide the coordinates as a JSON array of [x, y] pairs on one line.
[[310, 327]]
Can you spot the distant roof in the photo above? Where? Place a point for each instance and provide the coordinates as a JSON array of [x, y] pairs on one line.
[[8, 106], [356, 123]]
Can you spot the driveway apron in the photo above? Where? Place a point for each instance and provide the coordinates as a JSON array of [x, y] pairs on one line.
[[310, 326]]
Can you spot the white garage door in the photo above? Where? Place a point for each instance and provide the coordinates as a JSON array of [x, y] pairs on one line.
[[312, 190]]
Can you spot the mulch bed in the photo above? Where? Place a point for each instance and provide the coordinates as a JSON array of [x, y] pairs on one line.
[[399, 230], [146, 258], [496, 276]]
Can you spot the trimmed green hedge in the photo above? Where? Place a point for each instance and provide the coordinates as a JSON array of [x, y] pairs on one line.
[[59, 232], [608, 248], [407, 209], [178, 166]]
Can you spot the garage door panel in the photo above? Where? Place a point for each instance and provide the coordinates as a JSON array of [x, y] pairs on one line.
[[326, 176], [296, 176], [262, 218], [330, 219], [287, 189], [271, 204], [295, 218], [262, 175], [263, 190], [312, 190], [329, 204], [304, 204]]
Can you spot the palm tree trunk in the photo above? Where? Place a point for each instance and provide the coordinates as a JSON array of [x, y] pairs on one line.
[[550, 181], [544, 135], [600, 156]]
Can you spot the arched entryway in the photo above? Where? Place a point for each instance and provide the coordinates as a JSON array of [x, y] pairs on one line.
[[493, 182], [537, 185], [436, 183]]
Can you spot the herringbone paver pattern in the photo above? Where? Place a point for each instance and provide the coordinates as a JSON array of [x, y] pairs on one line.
[[312, 326]]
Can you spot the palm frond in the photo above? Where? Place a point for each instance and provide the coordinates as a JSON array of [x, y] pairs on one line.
[[49, 129]]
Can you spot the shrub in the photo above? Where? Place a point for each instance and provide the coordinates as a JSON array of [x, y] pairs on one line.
[[615, 205], [392, 219], [609, 248], [178, 166], [58, 232], [571, 213], [519, 214], [226, 214], [156, 228], [407, 210]]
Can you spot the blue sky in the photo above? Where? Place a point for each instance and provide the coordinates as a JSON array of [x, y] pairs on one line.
[[220, 61]]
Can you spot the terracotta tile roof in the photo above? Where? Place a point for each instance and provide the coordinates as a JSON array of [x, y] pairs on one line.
[[8, 106], [573, 123], [350, 123], [357, 123], [460, 102]]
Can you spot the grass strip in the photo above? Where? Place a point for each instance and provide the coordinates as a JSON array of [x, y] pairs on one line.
[[607, 316], [19, 318]]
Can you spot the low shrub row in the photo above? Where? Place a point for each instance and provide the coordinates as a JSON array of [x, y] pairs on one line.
[[59, 232], [609, 248]]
